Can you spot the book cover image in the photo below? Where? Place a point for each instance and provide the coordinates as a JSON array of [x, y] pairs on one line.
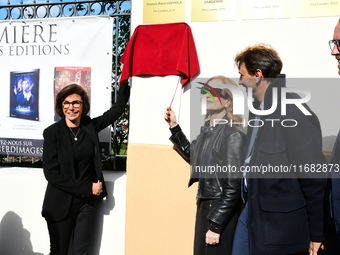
[[24, 94], [66, 75]]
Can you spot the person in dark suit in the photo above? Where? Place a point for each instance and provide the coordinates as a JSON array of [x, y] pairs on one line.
[[72, 167], [335, 157], [284, 207]]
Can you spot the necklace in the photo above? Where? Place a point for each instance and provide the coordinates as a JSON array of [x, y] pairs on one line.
[[75, 135]]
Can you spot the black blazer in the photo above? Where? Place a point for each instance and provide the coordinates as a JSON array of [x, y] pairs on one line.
[[286, 206], [58, 160], [334, 186]]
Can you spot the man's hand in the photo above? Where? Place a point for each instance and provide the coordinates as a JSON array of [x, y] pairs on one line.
[[313, 248]]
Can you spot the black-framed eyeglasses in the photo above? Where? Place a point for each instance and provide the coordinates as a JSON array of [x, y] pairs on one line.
[[332, 43], [75, 104]]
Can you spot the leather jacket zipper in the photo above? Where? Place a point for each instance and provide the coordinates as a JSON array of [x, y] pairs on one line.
[[218, 182]]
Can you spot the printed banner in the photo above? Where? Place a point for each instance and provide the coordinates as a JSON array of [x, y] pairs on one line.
[[24, 99], [39, 58]]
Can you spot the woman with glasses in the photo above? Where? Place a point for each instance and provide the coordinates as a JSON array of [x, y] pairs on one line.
[[220, 145], [72, 167]]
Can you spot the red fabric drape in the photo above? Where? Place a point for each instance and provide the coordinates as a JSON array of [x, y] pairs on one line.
[[162, 49]]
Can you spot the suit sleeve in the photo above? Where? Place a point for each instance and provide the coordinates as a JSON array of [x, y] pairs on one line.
[[115, 111], [52, 171], [305, 149]]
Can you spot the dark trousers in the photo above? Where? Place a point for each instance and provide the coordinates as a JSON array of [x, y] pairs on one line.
[[204, 207], [73, 235], [241, 243]]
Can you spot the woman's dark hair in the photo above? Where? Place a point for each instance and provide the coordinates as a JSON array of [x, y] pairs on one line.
[[70, 89], [261, 57]]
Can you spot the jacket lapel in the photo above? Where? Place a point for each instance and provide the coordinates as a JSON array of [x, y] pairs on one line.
[[65, 144], [92, 134]]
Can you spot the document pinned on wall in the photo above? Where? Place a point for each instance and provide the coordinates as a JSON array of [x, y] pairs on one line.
[[163, 11], [266, 9], [318, 8], [213, 10]]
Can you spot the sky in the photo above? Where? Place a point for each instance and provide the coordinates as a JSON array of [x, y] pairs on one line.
[[15, 13], [5, 2]]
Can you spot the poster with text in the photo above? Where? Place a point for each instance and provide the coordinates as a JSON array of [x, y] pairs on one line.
[[24, 96], [163, 11], [41, 56], [213, 10]]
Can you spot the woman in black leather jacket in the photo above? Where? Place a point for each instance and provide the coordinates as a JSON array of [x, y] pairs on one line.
[[215, 157]]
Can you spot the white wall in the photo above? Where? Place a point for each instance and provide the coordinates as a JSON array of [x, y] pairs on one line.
[[23, 230]]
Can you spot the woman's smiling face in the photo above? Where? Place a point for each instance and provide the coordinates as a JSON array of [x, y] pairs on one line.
[[73, 114]]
